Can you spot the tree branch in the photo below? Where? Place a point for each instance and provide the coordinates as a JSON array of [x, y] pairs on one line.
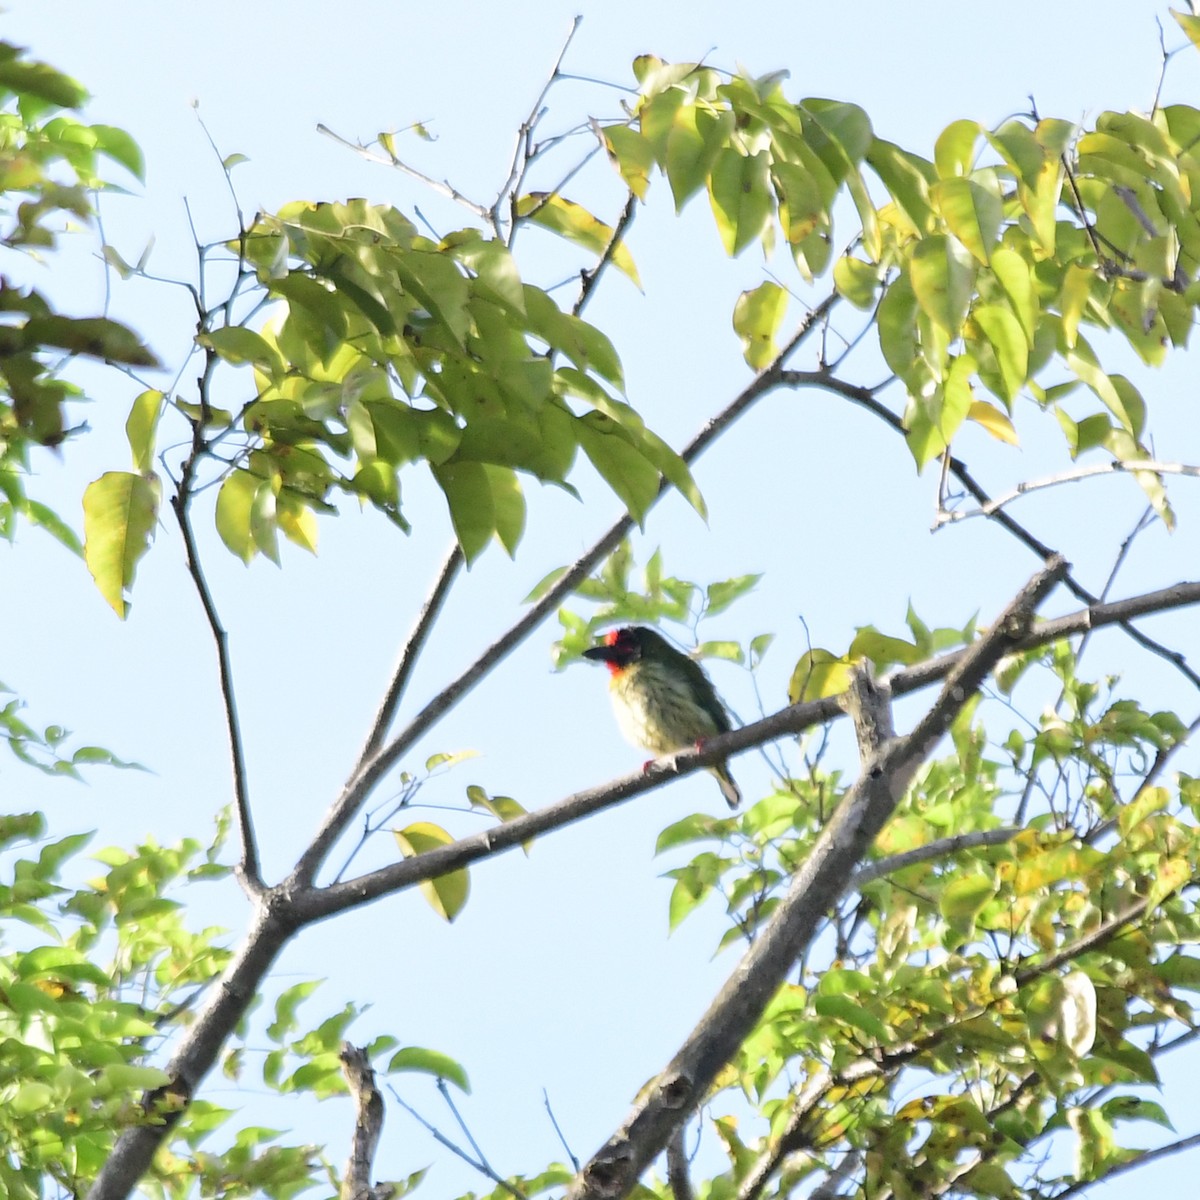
[[409, 653], [942, 848], [360, 785], [1146, 1156], [319, 903], [1117, 467], [522, 156], [665, 1103], [443, 187], [368, 1127], [679, 1177], [591, 277], [249, 872], [865, 398]]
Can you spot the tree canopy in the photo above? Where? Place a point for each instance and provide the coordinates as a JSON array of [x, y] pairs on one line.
[[957, 912]]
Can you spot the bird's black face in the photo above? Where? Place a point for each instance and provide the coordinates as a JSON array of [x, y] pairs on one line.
[[621, 647]]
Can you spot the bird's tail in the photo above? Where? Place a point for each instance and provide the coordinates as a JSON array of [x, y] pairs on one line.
[[729, 789]]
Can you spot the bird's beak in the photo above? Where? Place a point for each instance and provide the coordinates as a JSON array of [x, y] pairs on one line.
[[599, 653]]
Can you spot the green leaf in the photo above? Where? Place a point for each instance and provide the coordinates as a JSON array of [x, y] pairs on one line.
[[468, 491], [1189, 24], [954, 150], [447, 893], [739, 190], [857, 281], [234, 503], [508, 506], [37, 79], [843, 1009], [430, 1062], [626, 470], [632, 155], [963, 899], [573, 222], [943, 281], [120, 511], [240, 346], [97, 337], [1007, 340], [719, 596], [141, 426], [121, 148], [757, 316], [972, 212]]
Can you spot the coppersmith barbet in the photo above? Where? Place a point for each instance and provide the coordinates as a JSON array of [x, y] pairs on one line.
[[663, 700]]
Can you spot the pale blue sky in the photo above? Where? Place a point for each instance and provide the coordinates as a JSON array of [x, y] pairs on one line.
[[559, 973]]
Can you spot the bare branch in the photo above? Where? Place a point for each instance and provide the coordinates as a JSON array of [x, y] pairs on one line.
[[942, 848], [368, 1127], [454, 1148], [249, 871], [865, 398], [409, 653], [1117, 467], [317, 904], [679, 1177], [522, 150], [591, 277], [443, 187]]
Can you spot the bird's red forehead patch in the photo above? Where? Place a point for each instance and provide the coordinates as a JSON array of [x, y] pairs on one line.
[[612, 637]]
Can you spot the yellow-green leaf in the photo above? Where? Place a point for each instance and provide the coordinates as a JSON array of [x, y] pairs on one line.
[[954, 150], [972, 212], [632, 155], [856, 281], [1189, 24], [943, 279], [447, 893], [757, 316], [573, 222], [818, 673], [994, 421], [120, 510], [141, 426], [234, 502], [1003, 332]]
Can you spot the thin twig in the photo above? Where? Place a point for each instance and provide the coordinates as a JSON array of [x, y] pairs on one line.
[[865, 397], [441, 186], [521, 150], [444, 1089], [557, 1129], [1117, 467], [249, 871], [592, 276], [1146, 1156], [454, 1148], [409, 653]]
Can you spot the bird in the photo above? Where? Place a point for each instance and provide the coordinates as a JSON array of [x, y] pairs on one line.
[[663, 700]]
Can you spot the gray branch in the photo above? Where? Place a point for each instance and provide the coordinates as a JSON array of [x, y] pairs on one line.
[[665, 1104], [368, 1127]]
